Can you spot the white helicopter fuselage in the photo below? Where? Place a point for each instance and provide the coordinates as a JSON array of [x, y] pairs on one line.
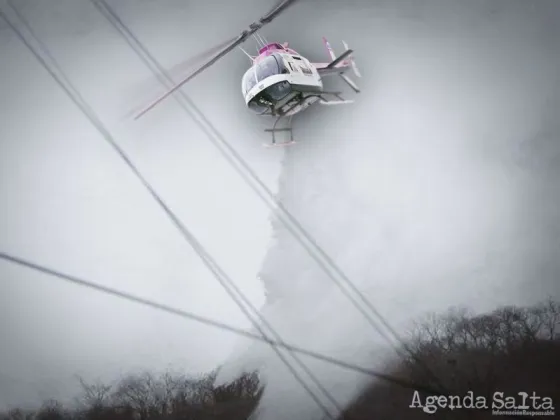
[[282, 83], [277, 80]]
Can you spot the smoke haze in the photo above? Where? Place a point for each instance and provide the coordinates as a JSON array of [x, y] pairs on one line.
[[438, 187]]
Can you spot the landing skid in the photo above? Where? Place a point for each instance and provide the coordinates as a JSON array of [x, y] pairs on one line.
[[274, 145], [319, 97], [275, 130]]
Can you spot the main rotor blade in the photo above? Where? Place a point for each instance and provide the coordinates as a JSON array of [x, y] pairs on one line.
[[189, 62], [281, 6], [189, 77], [254, 27], [151, 88]]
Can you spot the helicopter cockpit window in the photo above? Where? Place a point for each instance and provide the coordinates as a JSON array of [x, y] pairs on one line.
[[249, 80], [269, 66]]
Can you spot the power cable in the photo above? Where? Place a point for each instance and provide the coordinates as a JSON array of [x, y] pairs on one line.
[[219, 273], [248, 174], [226, 282], [212, 323]]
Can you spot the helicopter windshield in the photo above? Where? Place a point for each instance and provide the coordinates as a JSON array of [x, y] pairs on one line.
[[269, 66]]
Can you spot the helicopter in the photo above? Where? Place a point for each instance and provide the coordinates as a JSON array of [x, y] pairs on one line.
[[280, 82]]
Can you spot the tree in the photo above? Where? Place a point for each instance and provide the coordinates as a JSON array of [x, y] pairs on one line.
[[146, 396], [52, 410], [510, 349]]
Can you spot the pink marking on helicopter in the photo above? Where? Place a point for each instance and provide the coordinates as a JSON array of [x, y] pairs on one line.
[[270, 49]]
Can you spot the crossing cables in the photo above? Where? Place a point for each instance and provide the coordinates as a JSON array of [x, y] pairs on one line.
[[323, 260], [226, 282]]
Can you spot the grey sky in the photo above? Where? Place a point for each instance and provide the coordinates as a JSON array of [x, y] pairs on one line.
[[439, 187], [69, 202]]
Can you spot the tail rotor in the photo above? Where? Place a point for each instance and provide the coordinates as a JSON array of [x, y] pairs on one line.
[[352, 62]]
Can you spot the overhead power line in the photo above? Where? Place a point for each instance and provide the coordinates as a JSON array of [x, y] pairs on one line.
[[206, 258], [324, 261], [226, 282], [215, 324]]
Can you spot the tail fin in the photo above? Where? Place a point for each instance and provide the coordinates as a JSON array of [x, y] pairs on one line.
[[330, 51]]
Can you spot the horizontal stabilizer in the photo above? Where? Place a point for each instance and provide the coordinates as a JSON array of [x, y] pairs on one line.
[[339, 59]]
